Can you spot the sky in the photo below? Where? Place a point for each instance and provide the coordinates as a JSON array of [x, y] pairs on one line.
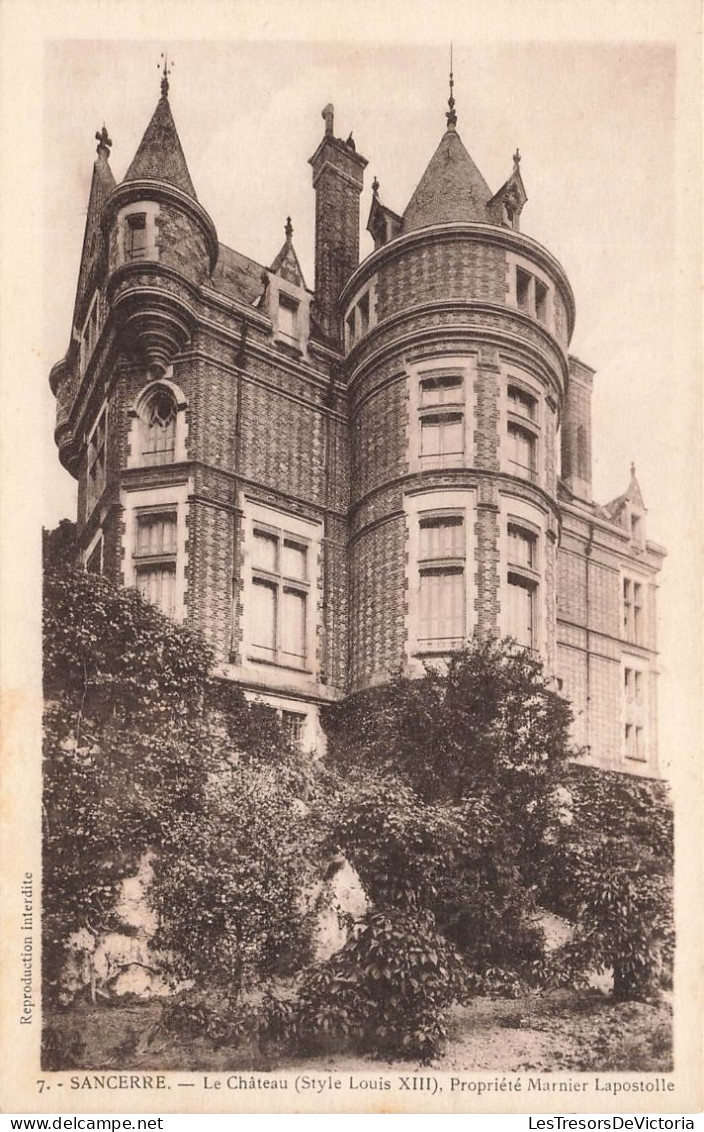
[[595, 114]]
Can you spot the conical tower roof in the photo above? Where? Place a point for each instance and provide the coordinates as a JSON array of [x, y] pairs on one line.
[[451, 189], [160, 155]]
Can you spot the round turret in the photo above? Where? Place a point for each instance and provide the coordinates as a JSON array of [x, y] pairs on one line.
[[162, 246], [456, 331]]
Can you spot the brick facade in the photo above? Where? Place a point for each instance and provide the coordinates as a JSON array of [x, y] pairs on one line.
[[387, 495]]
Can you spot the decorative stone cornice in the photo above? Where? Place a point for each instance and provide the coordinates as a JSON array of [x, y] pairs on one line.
[[506, 238]]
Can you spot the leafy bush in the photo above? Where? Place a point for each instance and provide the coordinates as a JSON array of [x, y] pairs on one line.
[[387, 991], [144, 753], [452, 801], [613, 877]]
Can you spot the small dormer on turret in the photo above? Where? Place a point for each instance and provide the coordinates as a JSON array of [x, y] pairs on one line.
[[383, 224], [162, 245], [505, 207], [287, 299], [629, 511]]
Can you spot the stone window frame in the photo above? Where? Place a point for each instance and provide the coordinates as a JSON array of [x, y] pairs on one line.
[[312, 736], [521, 515], [635, 708], [310, 533], [282, 292], [452, 366], [514, 418], [164, 559], [97, 459], [539, 300], [150, 210], [96, 543], [90, 332], [138, 424], [426, 503], [633, 623], [142, 501], [361, 314]]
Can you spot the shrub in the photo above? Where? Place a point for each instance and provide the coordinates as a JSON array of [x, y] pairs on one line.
[[387, 991]]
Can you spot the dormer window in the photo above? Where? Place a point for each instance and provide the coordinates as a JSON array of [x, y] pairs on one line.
[[288, 318], [136, 244]]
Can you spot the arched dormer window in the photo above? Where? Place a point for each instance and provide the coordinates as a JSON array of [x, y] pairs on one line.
[[158, 426]]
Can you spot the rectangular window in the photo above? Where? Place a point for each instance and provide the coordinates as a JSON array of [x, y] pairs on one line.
[[442, 390], [155, 558], [89, 336], [633, 611], [363, 308], [521, 547], [350, 324], [521, 452], [523, 288], [97, 461], [288, 318], [541, 301], [264, 618], [136, 236], [521, 610], [279, 606], [293, 723], [442, 438], [442, 536], [94, 562], [442, 618], [522, 403]]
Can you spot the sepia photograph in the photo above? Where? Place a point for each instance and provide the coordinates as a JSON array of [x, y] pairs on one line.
[[367, 470]]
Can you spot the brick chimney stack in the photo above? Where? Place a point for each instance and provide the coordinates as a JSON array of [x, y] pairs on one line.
[[338, 179]]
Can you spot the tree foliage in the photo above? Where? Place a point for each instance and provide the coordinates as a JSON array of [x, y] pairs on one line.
[[143, 752], [613, 875], [453, 802]]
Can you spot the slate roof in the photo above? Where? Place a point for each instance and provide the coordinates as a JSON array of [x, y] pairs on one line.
[[237, 276], [451, 189], [160, 156]]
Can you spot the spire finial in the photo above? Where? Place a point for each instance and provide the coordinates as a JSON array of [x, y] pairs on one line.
[[633, 470], [165, 72], [375, 187], [288, 229], [104, 142], [516, 159], [450, 114]]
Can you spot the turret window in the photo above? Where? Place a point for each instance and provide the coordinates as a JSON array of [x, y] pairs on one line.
[[136, 244], [521, 452], [523, 291], [442, 429], [522, 592], [441, 562], [532, 295]]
